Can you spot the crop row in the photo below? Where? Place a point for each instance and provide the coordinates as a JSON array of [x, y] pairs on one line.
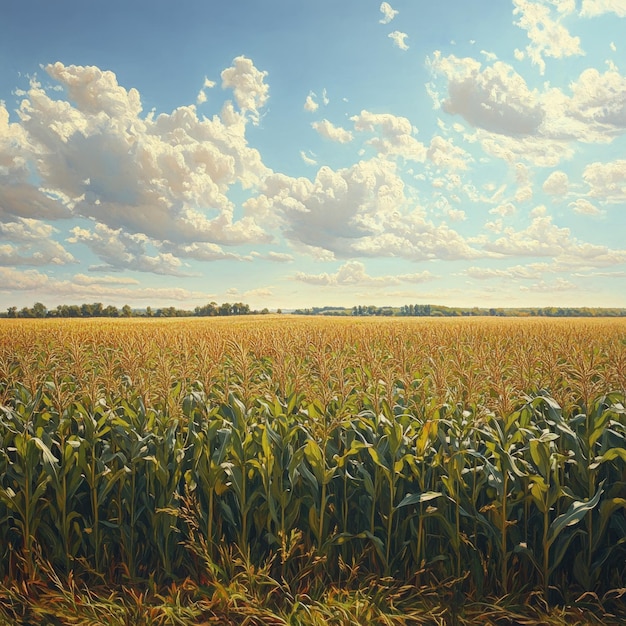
[[332, 456]]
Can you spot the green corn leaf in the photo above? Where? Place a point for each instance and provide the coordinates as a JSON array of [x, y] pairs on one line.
[[573, 515], [417, 498]]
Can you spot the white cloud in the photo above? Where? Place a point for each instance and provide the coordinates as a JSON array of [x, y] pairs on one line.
[[12, 279], [330, 131], [309, 104], [81, 288], [496, 98], [120, 250], [200, 251], [396, 135], [18, 196], [353, 273], [388, 13], [355, 211], [443, 153], [532, 271], [582, 206], [30, 243], [557, 184], [524, 192], [598, 102], [276, 257], [248, 85], [506, 209], [516, 123], [538, 150], [542, 238], [560, 284], [83, 279], [593, 8], [259, 292], [307, 159], [548, 37], [399, 39], [159, 177], [607, 181]]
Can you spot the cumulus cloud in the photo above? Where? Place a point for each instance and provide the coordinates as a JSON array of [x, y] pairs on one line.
[[165, 177], [84, 279], [506, 209], [388, 13], [496, 98], [557, 184], [515, 122], [121, 250], [399, 39], [248, 85], [330, 131], [29, 242], [443, 153], [353, 273], [309, 104], [355, 211], [559, 284], [18, 196], [548, 37], [18, 280], [395, 135], [582, 206], [598, 104], [532, 271], [593, 8], [543, 238], [98, 288], [607, 181], [200, 251], [276, 257]]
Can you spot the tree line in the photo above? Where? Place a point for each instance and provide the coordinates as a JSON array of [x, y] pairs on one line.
[[97, 309], [433, 310], [213, 309]]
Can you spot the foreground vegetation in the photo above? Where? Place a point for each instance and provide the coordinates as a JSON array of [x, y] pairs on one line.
[[296, 470]]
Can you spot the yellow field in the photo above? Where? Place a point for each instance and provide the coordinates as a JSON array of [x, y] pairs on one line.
[[479, 457], [489, 362]]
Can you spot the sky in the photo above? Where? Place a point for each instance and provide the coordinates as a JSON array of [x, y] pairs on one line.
[[299, 153]]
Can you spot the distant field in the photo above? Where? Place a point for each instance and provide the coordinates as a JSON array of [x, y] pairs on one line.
[[484, 454]]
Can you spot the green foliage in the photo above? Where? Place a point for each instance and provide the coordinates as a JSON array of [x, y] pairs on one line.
[[111, 469]]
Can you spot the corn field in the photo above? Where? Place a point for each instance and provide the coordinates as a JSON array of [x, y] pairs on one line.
[[316, 453]]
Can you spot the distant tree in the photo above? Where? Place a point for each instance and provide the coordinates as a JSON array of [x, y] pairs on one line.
[[12, 311], [39, 310], [127, 311]]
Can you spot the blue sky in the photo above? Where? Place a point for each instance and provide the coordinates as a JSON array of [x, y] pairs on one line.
[[292, 153]]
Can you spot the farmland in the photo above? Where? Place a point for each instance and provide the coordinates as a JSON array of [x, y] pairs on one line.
[[302, 470]]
